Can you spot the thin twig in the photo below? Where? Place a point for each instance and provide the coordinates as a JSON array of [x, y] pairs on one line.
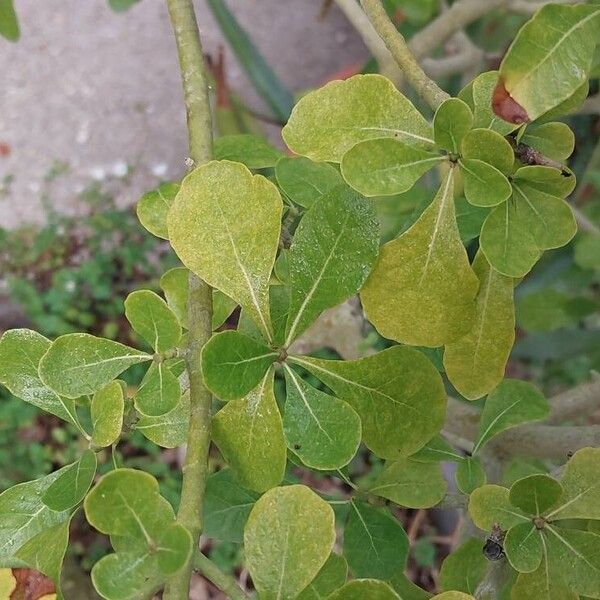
[[526, 7], [429, 91], [224, 582]]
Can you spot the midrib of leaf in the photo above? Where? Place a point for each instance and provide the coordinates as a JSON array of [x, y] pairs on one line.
[[254, 299], [260, 395], [390, 130], [14, 532], [299, 360], [572, 500], [315, 285], [283, 561], [106, 360], [149, 539], [366, 529], [572, 549], [494, 421], [312, 414], [402, 166], [482, 324], [524, 79], [248, 360]]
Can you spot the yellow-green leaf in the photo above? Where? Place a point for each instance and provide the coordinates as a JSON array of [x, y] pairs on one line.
[[107, 409], [524, 547], [554, 140], [326, 123], [153, 207], [159, 392], [168, 430], [452, 121], [251, 150], [483, 184], [422, 288], [489, 505], [225, 225], [361, 589], [490, 147]]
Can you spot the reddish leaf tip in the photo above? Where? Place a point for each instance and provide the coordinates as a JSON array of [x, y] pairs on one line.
[[506, 107]]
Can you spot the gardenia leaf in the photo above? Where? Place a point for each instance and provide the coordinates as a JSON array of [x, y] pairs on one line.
[[233, 364], [333, 251], [512, 403], [331, 577], [524, 547], [397, 393], [77, 364], [304, 181], [107, 408], [411, 483], [452, 121], [287, 539], [359, 589], [554, 140], [535, 494], [23, 515], [20, 354], [168, 430], [422, 289], [489, 505], [323, 431], [159, 392], [386, 166], [483, 184], [326, 123], [226, 507], [546, 179], [224, 226], [375, 544], [464, 568], [69, 489], [251, 150], [548, 60], [469, 475], [490, 147], [151, 318], [581, 485], [249, 434], [152, 208], [475, 363]]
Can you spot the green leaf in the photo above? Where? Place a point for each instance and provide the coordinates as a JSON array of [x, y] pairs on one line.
[[568, 106], [469, 219], [159, 392], [45, 552], [581, 485], [587, 251], [107, 408], [149, 544], [554, 140], [411, 483], [375, 544], [77, 364], [512, 403], [470, 475], [464, 568], [331, 577], [23, 515], [542, 585], [484, 118], [234, 364], [305, 181], [483, 184], [406, 589], [287, 540], [545, 310], [70, 488], [250, 150], [422, 289], [435, 450], [535, 494], [226, 507], [326, 123], [334, 248], [323, 431], [546, 179], [573, 556], [153, 207], [151, 318], [489, 505], [549, 59], [397, 393], [228, 243], [475, 363], [386, 166], [20, 354], [452, 121], [524, 547], [121, 5], [168, 430], [249, 434], [360, 589], [263, 78], [490, 147], [9, 25]]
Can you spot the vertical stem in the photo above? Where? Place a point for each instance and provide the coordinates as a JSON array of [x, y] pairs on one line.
[[195, 86], [396, 44]]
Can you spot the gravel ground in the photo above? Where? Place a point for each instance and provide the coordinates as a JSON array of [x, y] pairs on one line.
[[93, 96]]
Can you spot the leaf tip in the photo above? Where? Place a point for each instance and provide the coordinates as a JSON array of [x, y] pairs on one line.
[[506, 107]]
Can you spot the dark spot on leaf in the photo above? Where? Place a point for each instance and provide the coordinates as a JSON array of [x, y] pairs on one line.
[[506, 107], [297, 446]]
